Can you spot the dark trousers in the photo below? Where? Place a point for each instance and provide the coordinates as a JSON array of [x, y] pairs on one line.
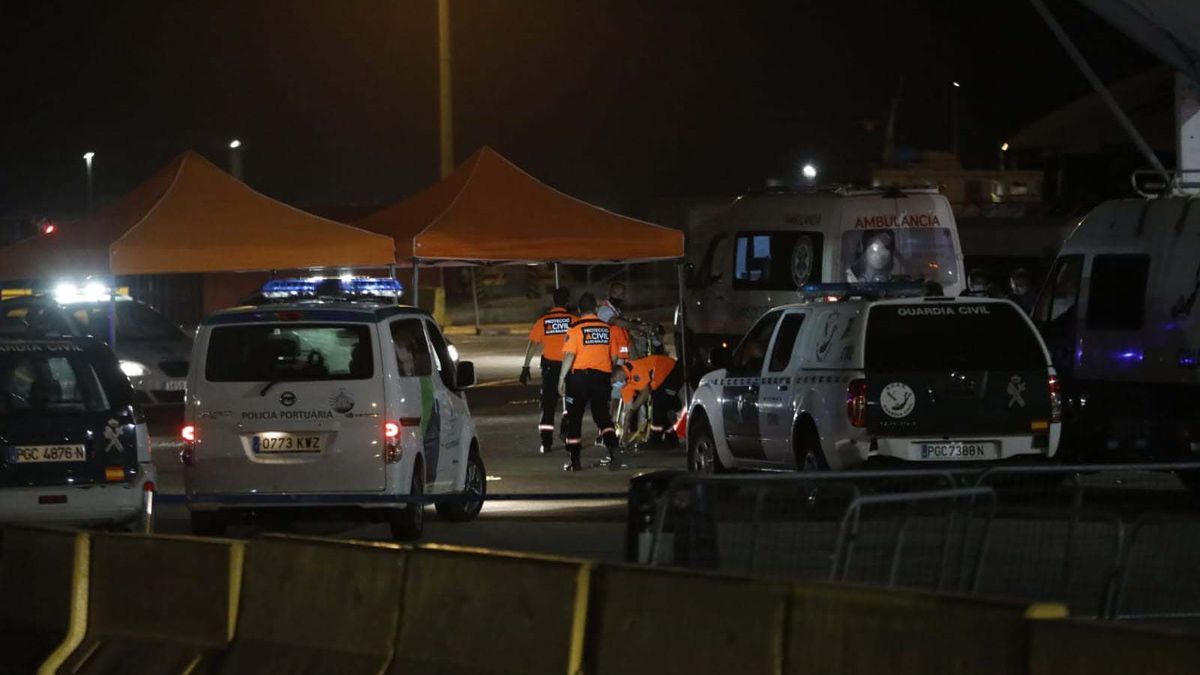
[[665, 401], [550, 373], [588, 388]]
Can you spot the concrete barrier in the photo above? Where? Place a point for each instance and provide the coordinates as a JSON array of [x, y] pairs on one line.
[[471, 611], [655, 621], [40, 572], [1079, 648], [156, 605], [844, 630], [311, 606]]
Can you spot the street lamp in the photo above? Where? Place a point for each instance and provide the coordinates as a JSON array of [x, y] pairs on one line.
[[954, 115], [809, 172], [87, 161], [1003, 149], [235, 158]]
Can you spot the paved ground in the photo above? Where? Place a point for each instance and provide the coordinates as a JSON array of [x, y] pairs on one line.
[[506, 415]]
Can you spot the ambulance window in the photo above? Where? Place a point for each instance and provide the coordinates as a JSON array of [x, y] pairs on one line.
[[1117, 294], [785, 342], [783, 260], [917, 253], [750, 354], [412, 349], [445, 364], [1058, 298]]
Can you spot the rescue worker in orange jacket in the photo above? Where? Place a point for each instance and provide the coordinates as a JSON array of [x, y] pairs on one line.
[[549, 331], [588, 357], [657, 379]]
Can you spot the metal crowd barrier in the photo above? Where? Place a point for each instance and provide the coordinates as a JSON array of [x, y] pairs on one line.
[[1117, 541]]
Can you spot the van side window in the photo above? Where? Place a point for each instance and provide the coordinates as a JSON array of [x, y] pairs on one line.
[[785, 342], [749, 356], [784, 260], [445, 364], [1058, 299], [1117, 293], [412, 350]]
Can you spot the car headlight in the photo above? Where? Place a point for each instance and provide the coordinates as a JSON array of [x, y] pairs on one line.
[[134, 369]]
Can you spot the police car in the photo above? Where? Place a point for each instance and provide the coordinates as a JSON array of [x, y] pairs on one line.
[[854, 377], [322, 402], [74, 448], [153, 351]]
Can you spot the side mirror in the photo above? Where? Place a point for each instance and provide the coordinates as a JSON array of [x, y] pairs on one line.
[[464, 375], [720, 357]]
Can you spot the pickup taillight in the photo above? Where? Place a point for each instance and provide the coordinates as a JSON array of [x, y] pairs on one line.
[[1055, 399], [856, 402]]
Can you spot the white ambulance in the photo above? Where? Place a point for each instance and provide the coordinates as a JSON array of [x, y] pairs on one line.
[[1119, 313], [759, 252], [313, 408]]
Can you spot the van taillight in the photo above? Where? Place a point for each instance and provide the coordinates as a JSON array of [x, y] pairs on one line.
[[391, 445], [856, 402], [187, 454], [1055, 399]]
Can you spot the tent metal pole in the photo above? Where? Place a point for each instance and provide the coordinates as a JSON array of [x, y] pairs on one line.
[[475, 300], [683, 355], [392, 274], [112, 314], [416, 286], [557, 282]]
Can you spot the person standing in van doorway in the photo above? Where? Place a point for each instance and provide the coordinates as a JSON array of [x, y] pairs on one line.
[[1020, 285], [588, 358], [549, 331]]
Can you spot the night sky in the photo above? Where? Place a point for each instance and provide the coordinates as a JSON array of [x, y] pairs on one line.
[[617, 101]]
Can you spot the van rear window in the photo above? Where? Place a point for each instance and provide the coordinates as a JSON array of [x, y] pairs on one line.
[[289, 353], [944, 336]]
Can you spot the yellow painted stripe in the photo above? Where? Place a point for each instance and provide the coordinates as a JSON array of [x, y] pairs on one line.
[[77, 626], [583, 586], [1046, 610], [237, 559]]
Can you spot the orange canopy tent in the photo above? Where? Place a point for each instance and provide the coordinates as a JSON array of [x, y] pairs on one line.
[[191, 217], [490, 211]]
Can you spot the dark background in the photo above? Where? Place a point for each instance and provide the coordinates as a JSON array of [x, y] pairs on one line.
[[617, 101]]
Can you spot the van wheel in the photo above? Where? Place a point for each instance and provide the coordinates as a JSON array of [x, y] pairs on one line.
[[409, 522], [208, 524], [474, 487], [809, 455], [702, 449]]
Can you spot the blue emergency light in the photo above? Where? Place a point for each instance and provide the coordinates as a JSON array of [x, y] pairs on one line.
[[868, 291], [336, 287]]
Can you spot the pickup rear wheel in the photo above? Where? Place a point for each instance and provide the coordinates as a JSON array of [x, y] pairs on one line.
[[474, 489], [702, 449], [409, 522], [809, 456]]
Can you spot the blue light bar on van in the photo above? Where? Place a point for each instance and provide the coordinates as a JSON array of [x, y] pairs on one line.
[[842, 291], [350, 287]]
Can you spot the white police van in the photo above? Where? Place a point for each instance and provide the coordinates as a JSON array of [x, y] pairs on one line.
[[1118, 312], [856, 378], [323, 406]]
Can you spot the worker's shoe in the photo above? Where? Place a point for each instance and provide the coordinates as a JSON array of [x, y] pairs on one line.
[[613, 461], [573, 464], [545, 449]]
